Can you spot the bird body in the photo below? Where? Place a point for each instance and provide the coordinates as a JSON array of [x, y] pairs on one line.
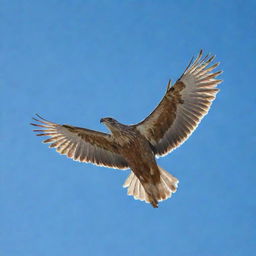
[[135, 146], [140, 157]]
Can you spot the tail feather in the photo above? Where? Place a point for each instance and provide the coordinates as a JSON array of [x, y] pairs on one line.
[[169, 180], [161, 191], [135, 188]]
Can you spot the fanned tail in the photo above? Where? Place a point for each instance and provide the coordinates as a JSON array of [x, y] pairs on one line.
[[161, 191]]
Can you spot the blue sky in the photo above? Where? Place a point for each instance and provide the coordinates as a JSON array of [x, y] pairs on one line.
[[77, 61]]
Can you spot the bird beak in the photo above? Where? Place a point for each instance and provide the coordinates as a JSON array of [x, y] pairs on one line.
[[102, 120]]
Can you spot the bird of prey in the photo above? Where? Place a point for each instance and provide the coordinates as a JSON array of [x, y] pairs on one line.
[[136, 146]]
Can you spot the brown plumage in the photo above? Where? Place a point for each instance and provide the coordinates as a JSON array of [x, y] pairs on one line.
[[135, 146]]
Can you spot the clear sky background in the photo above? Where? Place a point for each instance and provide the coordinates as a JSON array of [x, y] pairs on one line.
[[77, 61]]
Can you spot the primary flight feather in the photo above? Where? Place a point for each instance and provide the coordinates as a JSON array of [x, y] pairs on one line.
[[135, 146]]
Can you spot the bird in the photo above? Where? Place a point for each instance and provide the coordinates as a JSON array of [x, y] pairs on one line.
[[136, 146]]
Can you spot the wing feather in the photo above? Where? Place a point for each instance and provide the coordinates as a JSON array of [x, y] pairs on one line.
[[182, 107], [81, 144]]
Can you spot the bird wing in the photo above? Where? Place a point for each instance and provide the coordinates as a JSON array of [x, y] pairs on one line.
[[81, 144], [182, 107]]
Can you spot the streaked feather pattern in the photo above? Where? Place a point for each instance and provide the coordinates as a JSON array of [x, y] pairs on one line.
[[183, 106], [81, 144]]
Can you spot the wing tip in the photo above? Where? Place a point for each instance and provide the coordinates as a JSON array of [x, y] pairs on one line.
[[43, 122]]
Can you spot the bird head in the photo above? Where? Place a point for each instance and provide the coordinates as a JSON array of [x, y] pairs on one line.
[[111, 123]]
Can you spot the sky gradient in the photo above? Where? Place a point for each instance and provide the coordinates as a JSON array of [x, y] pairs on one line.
[[74, 62]]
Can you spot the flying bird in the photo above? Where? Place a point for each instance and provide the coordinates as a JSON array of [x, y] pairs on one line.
[[136, 146]]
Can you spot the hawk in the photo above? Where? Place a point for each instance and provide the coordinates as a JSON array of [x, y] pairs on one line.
[[136, 146]]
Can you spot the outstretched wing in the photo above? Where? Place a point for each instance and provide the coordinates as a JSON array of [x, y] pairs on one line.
[[81, 144], [182, 107]]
